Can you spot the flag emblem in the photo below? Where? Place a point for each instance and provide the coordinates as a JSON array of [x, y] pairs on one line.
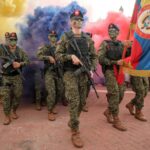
[[143, 24]]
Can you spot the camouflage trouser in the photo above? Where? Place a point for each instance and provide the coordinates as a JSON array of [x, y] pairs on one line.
[[115, 92], [76, 93], [11, 95], [54, 87], [140, 86], [37, 86]]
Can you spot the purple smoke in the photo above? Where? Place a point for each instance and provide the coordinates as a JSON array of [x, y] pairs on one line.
[[34, 34]]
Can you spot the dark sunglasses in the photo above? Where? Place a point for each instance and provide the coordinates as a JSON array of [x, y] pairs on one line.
[[13, 39]]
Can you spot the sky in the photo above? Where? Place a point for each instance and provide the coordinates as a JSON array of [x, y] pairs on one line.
[[97, 9], [14, 11]]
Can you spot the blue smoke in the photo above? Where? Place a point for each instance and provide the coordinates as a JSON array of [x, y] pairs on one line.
[[34, 34]]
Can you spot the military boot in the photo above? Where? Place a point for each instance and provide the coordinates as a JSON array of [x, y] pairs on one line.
[[139, 115], [51, 116], [14, 115], [108, 116], [117, 124], [7, 120], [38, 107], [130, 107], [76, 139]]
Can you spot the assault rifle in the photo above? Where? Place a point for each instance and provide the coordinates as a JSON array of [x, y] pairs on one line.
[[84, 66], [10, 59], [57, 67]]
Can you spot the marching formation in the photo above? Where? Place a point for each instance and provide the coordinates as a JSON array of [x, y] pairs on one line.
[[68, 67]]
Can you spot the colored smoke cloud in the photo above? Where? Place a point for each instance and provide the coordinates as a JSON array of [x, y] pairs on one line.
[[11, 8], [35, 32], [10, 13], [99, 29]]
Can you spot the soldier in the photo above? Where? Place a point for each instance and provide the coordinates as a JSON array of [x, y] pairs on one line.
[[15, 59], [110, 52], [53, 80], [140, 86], [75, 85]]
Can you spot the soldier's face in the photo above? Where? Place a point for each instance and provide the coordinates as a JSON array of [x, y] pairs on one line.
[[76, 23], [52, 39], [13, 42], [113, 33]]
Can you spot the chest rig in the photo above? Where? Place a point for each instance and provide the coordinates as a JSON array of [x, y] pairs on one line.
[[114, 50], [83, 45], [50, 52]]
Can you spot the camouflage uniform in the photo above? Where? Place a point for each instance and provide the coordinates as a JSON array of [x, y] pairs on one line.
[[140, 86], [115, 91], [75, 86], [6, 43], [53, 83], [110, 55], [12, 82]]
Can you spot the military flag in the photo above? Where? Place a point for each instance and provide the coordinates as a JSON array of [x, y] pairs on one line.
[[140, 54]]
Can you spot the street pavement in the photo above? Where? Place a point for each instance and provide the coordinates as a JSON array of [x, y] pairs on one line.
[[33, 131]]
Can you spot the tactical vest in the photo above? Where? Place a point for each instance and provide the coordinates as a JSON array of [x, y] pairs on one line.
[[114, 50], [71, 49], [49, 52], [10, 71]]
